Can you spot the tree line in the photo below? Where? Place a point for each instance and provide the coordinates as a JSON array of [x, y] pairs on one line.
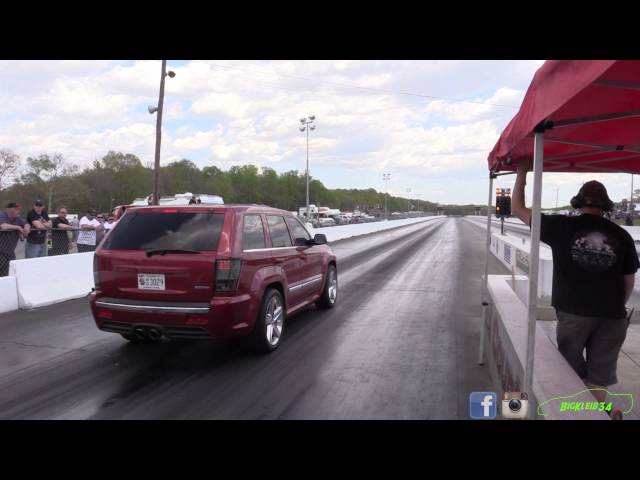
[[118, 178]]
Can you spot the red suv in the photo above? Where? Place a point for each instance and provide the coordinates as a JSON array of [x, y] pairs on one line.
[[209, 271]]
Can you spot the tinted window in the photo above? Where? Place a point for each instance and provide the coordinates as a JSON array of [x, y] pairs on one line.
[[279, 232], [185, 231], [253, 233], [297, 230]]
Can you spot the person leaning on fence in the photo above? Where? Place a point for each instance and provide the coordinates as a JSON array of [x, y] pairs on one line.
[[12, 228], [60, 234], [87, 237], [628, 221], [37, 240], [594, 265], [100, 231], [75, 223], [109, 224]]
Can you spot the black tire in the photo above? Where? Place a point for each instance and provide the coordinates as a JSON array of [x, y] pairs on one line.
[[261, 332], [329, 298]]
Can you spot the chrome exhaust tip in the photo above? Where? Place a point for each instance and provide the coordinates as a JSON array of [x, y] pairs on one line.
[[140, 333], [154, 334]]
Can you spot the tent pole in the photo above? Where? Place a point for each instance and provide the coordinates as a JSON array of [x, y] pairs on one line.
[[534, 258], [485, 296]]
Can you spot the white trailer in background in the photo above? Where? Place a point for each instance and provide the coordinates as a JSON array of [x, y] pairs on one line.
[[182, 199]]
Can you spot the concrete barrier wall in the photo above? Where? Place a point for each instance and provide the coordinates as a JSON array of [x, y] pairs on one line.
[[8, 294], [340, 232], [482, 222], [48, 280], [514, 254], [633, 231], [38, 282], [506, 350]]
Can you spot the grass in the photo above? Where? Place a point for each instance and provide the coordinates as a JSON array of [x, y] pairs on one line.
[[620, 221]]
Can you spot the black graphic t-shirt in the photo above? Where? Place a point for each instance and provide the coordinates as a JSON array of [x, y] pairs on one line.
[[59, 239], [37, 236], [591, 256]]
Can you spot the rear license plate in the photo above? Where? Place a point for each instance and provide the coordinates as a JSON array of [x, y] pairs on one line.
[[151, 281]]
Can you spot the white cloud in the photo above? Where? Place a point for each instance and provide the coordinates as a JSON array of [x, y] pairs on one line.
[[238, 112], [79, 98]]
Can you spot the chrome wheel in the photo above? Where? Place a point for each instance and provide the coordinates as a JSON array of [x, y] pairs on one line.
[[332, 282], [274, 321]]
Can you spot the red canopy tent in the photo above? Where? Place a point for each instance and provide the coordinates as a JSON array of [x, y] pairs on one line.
[[577, 116], [590, 112]]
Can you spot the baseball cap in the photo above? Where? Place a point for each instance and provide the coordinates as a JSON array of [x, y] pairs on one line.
[[38, 203], [12, 205], [91, 211]]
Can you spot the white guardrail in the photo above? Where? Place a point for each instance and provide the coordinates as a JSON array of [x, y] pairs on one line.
[[522, 249], [37, 282], [48, 280], [341, 232], [8, 294], [513, 253]]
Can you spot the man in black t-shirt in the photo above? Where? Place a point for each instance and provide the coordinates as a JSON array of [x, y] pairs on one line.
[[594, 265], [40, 223], [59, 235], [12, 228]]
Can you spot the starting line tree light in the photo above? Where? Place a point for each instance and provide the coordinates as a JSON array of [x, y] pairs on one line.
[[503, 206]]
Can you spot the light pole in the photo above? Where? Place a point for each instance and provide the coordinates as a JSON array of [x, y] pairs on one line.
[[152, 110], [631, 198], [408, 201], [386, 177], [557, 191], [307, 124], [419, 204]]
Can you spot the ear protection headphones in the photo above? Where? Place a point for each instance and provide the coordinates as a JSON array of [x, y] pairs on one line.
[[580, 201]]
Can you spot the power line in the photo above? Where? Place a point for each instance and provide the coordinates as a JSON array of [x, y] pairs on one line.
[[359, 87]]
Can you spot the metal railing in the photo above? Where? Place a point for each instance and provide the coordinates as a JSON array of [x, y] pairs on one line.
[[56, 241]]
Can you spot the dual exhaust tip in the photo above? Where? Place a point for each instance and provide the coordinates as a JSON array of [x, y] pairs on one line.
[[143, 333]]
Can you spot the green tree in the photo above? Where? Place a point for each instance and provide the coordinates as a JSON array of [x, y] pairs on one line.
[[9, 163]]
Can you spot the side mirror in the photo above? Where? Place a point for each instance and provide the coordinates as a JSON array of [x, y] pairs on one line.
[[302, 242], [320, 239]]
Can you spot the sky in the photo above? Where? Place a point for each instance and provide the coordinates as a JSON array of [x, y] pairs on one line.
[[430, 124]]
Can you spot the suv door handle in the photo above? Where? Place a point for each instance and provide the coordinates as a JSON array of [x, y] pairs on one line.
[[280, 259]]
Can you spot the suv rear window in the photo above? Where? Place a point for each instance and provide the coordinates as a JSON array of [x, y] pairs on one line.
[[253, 233], [182, 230]]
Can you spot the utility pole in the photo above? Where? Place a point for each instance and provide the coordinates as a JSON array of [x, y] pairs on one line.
[[307, 125], [631, 198], [386, 177], [158, 109], [408, 201]]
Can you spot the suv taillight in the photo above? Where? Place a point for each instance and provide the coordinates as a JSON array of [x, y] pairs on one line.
[[96, 271], [227, 274]]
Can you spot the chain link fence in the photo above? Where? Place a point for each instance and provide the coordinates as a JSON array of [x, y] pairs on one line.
[[14, 246]]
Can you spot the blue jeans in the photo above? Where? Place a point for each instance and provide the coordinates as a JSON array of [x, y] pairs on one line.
[[35, 250]]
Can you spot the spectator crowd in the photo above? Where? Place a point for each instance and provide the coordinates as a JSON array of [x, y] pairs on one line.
[[44, 236]]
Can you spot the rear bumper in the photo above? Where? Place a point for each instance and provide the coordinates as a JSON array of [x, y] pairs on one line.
[[169, 331], [221, 317], [125, 305]]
